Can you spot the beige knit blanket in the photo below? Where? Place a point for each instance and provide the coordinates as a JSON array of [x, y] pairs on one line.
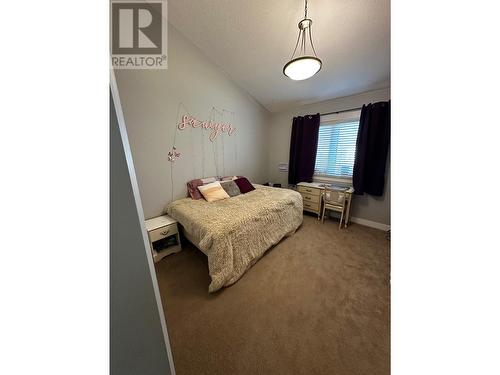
[[235, 232]]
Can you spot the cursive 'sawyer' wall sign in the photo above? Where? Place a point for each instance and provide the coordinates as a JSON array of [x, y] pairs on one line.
[[215, 128]]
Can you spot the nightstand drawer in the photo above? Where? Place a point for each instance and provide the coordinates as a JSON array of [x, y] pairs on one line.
[[310, 198], [162, 232], [308, 190], [309, 206]]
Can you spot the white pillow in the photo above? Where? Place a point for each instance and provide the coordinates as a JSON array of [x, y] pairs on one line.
[[213, 192], [229, 178]]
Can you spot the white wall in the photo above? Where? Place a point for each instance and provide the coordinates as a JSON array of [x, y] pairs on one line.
[[365, 207], [151, 99]]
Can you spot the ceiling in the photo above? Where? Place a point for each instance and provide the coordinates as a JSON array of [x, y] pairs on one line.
[[252, 40]]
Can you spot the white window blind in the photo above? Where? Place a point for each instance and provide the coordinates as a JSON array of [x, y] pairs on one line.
[[336, 149]]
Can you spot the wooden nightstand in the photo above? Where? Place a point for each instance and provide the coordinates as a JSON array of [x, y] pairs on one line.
[[163, 237]]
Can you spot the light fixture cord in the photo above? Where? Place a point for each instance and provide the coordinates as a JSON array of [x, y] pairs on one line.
[[305, 10]]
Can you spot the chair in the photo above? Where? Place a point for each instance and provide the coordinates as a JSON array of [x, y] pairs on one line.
[[334, 200]]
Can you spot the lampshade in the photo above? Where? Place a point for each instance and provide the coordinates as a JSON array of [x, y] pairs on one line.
[[302, 68]]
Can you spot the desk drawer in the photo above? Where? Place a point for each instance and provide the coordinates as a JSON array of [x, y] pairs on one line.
[[310, 198], [309, 190], [309, 206], [162, 232]]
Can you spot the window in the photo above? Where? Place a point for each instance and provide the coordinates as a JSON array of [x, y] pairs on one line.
[[337, 146]]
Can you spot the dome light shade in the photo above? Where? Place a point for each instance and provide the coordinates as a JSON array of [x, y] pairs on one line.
[[305, 65], [302, 68]]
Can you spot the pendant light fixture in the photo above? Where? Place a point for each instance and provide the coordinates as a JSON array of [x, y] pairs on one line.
[[303, 66]]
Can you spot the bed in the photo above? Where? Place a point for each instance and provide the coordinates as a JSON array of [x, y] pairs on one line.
[[235, 232]]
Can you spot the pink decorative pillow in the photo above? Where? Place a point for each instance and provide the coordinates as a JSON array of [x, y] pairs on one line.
[[244, 185], [192, 186]]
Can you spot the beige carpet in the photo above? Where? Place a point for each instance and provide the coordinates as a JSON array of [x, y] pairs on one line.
[[317, 303]]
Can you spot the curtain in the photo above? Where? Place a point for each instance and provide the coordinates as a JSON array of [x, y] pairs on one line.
[[303, 147], [372, 146]]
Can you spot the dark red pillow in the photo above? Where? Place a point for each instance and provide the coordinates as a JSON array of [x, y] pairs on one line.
[[244, 185]]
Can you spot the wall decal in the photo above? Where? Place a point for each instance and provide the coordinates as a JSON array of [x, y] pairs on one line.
[[215, 128], [173, 155], [198, 153]]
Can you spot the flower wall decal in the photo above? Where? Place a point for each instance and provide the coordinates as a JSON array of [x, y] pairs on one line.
[[173, 155]]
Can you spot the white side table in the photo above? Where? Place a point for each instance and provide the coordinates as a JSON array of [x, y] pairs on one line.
[[163, 237]]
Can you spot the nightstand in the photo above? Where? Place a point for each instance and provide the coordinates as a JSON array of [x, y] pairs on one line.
[[163, 237]]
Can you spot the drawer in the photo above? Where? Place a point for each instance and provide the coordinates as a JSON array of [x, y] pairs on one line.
[[311, 206], [162, 232], [309, 190], [310, 198]]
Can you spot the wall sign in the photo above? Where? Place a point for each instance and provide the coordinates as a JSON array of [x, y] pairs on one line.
[[283, 167], [215, 128]]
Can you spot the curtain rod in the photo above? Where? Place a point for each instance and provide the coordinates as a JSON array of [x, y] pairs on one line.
[[344, 110]]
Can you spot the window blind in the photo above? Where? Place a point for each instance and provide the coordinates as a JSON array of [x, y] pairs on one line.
[[336, 149]]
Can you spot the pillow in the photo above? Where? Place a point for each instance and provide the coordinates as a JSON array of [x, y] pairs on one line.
[[230, 188], [213, 192], [192, 186], [229, 178], [244, 185]]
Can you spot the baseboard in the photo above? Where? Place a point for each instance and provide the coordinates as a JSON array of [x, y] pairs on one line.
[[369, 223]]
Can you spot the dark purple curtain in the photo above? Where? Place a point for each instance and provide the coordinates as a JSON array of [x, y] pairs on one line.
[[372, 146], [303, 147]]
